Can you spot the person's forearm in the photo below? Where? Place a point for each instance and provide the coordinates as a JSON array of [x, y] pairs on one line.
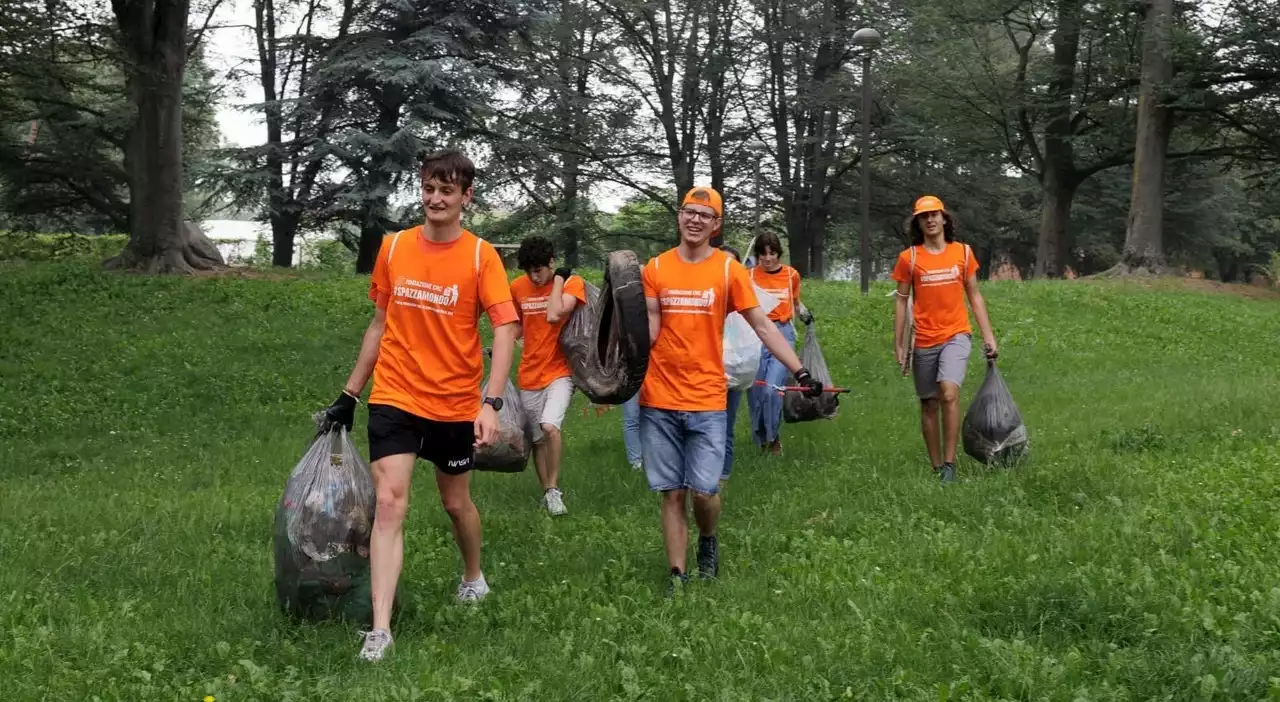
[[367, 359], [778, 346], [555, 300], [899, 320], [980, 311], [504, 341]]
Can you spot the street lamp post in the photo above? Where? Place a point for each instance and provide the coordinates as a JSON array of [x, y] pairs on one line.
[[869, 39]]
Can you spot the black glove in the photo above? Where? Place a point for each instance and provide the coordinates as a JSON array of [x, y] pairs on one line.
[[563, 272], [342, 412], [813, 387]]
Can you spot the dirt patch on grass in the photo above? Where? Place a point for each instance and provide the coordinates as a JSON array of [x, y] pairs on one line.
[[1246, 290]]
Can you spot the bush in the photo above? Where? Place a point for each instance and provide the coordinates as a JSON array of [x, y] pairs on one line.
[[327, 255], [28, 246]]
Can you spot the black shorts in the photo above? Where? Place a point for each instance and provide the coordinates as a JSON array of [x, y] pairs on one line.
[[449, 445]]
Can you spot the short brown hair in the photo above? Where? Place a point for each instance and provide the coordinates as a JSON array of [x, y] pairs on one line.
[[766, 240], [448, 166]]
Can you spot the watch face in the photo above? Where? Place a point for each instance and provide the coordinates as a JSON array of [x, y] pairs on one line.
[[495, 401]]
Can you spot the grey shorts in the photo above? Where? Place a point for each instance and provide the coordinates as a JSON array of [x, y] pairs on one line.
[[947, 361]]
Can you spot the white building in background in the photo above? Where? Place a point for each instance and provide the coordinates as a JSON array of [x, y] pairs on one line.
[[237, 239]]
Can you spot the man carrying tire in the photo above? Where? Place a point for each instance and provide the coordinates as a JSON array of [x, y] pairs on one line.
[[430, 285], [689, 290], [544, 300]]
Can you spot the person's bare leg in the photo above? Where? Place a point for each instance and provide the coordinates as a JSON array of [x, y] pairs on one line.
[[554, 448], [950, 393], [675, 528], [929, 427], [540, 463], [391, 476], [706, 511], [455, 495]]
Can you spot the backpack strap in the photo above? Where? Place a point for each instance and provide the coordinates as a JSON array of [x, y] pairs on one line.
[[391, 250]]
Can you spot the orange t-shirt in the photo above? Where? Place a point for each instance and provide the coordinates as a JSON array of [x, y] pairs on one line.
[[686, 363], [783, 284], [542, 361], [939, 308], [429, 361]]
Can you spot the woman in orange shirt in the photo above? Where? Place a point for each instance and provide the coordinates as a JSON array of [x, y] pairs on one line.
[[941, 272], [783, 282]]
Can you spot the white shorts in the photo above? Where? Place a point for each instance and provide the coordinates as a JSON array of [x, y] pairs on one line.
[[547, 405]]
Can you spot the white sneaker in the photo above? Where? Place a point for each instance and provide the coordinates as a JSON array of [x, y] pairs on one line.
[[473, 591], [637, 465], [554, 500], [376, 643]]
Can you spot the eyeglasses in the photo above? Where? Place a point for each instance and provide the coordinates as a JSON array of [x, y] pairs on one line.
[[697, 215]]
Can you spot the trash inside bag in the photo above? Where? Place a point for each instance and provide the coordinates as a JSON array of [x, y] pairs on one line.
[[796, 406], [323, 525], [992, 431], [510, 452], [742, 348]]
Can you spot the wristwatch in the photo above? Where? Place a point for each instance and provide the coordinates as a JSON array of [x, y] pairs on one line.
[[495, 401]]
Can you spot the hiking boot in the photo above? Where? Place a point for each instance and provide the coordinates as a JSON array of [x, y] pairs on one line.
[[775, 447], [376, 643], [947, 473], [708, 557], [554, 499], [473, 591], [676, 582]]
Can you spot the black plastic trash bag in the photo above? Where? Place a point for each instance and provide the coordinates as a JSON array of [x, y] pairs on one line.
[[796, 406], [606, 341], [511, 451], [992, 431], [323, 525]]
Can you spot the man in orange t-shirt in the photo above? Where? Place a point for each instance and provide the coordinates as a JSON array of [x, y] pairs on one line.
[[689, 290], [942, 273], [544, 299], [430, 285]]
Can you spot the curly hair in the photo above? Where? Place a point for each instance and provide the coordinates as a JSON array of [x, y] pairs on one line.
[[917, 234], [535, 251]]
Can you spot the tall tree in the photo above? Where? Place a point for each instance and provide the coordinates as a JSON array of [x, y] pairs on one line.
[[1143, 245], [153, 36]]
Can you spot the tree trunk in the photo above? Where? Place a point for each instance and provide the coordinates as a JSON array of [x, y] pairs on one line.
[[1055, 218], [1143, 242], [568, 214], [153, 35]]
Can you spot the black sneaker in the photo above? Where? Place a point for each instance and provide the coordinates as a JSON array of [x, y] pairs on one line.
[[948, 473], [708, 557], [676, 581]]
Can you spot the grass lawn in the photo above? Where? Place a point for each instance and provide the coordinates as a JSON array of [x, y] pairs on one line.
[[149, 425]]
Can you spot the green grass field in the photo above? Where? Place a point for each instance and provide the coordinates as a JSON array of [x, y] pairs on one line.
[[149, 425]]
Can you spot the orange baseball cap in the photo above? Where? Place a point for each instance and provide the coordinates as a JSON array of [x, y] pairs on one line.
[[707, 197], [928, 203]]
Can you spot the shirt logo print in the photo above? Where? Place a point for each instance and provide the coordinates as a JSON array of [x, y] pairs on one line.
[[677, 301], [939, 276], [424, 295]]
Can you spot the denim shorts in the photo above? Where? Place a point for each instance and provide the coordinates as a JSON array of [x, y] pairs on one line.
[[683, 450]]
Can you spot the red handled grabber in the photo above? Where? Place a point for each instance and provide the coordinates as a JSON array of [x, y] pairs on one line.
[[797, 388]]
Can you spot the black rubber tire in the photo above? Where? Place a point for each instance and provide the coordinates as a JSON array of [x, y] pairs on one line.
[[610, 369]]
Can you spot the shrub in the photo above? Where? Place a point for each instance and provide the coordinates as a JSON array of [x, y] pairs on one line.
[[327, 255], [29, 246]]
